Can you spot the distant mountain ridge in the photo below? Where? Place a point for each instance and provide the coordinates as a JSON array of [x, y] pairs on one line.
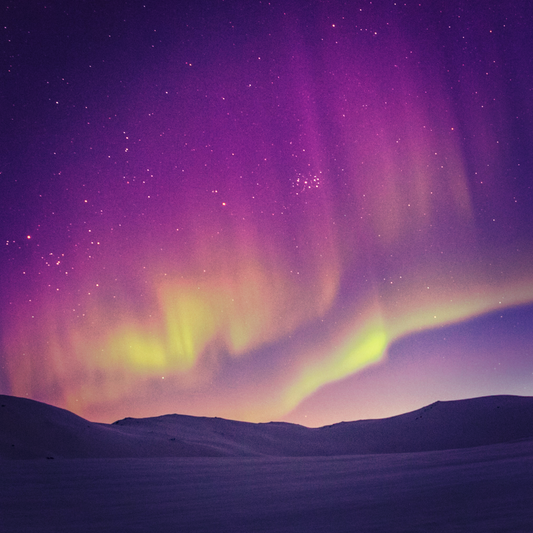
[[31, 429]]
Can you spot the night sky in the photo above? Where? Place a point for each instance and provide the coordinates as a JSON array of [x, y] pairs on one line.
[[301, 211]]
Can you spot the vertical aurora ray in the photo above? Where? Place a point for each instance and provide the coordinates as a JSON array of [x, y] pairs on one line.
[[256, 204]]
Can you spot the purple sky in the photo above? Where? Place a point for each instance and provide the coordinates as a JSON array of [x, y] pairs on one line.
[[310, 211]]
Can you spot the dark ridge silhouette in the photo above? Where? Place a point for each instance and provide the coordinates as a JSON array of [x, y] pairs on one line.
[[31, 429]]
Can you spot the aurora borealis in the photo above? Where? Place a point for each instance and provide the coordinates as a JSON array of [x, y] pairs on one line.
[[230, 208]]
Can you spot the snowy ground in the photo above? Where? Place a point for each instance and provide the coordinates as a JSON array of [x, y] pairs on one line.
[[484, 489]]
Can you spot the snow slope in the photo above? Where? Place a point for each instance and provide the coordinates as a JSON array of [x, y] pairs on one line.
[[462, 466], [471, 490], [30, 429]]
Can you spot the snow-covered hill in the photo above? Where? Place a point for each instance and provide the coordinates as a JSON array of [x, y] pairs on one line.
[[30, 429]]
